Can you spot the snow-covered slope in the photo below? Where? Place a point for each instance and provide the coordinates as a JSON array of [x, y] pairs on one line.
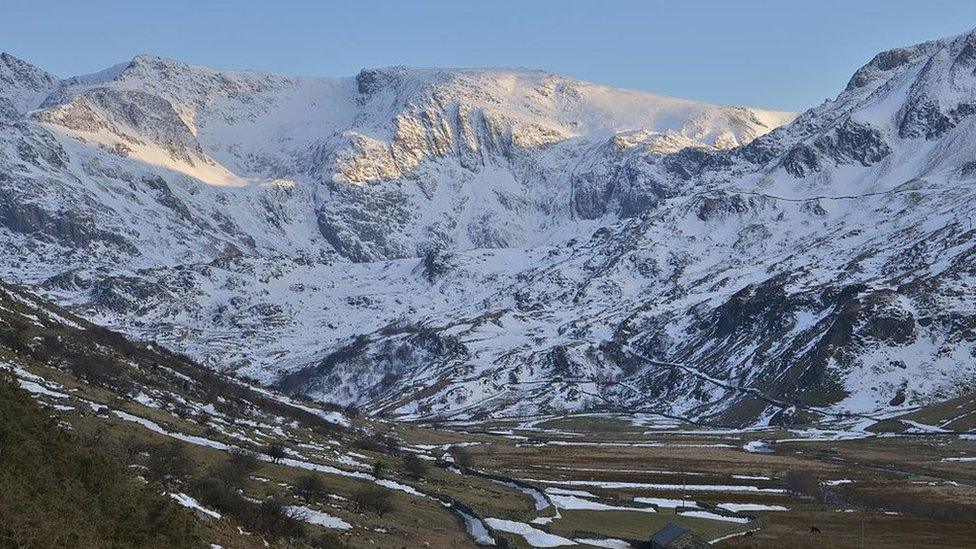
[[397, 160], [469, 242]]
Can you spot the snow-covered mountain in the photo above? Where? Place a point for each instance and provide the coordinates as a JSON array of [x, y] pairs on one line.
[[469, 242], [395, 161]]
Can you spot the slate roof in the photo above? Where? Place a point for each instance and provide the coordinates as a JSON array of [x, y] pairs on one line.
[[668, 534]]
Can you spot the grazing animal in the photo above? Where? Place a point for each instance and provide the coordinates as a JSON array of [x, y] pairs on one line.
[[814, 530], [749, 534]]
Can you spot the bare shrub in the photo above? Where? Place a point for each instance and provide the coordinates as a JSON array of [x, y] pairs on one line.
[[217, 494], [373, 499], [238, 466], [310, 487], [271, 517], [275, 451], [379, 443], [415, 466], [803, 482], [462, 457], [168, 462], [274, 518], [128, 450]]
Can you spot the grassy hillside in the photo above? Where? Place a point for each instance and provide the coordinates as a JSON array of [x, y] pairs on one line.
[[60, 490]]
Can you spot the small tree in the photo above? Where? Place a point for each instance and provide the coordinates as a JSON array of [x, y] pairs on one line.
[[218, 494], [274, 518], [415, 466], [803, 482], [378, 443], [379, 469], [462, 458], [275, 451], [373, 499], [167, 462], [128, 450], [244, 459], [310, 487], [238, 466]]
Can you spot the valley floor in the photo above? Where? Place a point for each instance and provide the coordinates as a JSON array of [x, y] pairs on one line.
[[588, 480], [603, 473]]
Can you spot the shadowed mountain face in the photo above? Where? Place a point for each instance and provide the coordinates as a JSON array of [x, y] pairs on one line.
[[496, 242]]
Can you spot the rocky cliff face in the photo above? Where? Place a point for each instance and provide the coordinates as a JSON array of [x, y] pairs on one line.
[[470, 242]]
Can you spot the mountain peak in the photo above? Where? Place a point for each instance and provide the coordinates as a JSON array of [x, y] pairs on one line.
[[144, 64], [22, 86], [961, 48], [10, 59], [156, 61], [11, 65]]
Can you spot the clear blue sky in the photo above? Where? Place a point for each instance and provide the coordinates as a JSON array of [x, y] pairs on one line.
[[778, 54]]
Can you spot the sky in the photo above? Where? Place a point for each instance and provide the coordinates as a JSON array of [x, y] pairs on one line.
[[776, 54]]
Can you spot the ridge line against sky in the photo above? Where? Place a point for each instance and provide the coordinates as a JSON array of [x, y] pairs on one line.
[[787, 55]]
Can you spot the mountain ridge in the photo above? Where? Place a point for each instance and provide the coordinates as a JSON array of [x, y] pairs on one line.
[[485, 245]]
